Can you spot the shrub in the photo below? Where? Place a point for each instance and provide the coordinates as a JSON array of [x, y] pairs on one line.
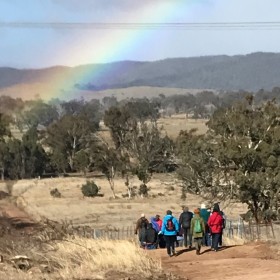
[[90, 189], [143, 190], [55, 193]]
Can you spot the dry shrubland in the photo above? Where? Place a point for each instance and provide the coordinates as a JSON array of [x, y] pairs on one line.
[[81, 258], [86, 258]]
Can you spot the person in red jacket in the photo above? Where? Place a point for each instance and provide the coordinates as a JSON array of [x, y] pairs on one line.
[[158, 221], [215, 223]]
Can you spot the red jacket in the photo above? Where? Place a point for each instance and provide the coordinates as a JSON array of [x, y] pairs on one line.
[[215, 222], [159, 222]]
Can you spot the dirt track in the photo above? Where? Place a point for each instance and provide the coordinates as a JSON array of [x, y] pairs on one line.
[[255, 261]]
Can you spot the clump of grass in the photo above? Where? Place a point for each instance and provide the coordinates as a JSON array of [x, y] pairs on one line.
[[83, 257]]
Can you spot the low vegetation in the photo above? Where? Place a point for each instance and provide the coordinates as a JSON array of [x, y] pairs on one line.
[[90, 189], [76, 258]]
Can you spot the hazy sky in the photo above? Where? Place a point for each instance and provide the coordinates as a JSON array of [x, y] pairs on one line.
[[25, 43]]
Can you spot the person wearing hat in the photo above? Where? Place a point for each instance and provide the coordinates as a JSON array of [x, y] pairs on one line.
[[169, 229], [140, 229], [197, 230]]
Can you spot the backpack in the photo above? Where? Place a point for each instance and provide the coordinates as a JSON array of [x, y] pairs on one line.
[[155, 226], [170, 225], [197, 226]]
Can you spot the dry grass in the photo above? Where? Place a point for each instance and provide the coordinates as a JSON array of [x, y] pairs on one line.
[[101, 212], [176, 123], [84, 258], [32, 91], [233, 241], [81, 258]]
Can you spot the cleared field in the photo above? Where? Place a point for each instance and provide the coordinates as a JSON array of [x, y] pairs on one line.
[[34, 197], [176, 123], [43, 90]]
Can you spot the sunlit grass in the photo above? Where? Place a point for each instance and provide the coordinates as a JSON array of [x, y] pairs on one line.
[[83, 257]]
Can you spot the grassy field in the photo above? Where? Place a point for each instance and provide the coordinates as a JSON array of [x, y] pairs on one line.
[[34, 197], [43, 90], [176, 123]]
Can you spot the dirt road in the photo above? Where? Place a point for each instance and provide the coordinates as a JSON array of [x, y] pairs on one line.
[[255, 261]]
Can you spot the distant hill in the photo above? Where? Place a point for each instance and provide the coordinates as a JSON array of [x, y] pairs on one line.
[[248, 72]]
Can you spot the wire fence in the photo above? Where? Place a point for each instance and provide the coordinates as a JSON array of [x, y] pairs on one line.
[[240, 229], [107, 233], [252, 231]]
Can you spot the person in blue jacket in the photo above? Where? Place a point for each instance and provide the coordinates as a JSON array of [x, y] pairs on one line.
[[169, 229]]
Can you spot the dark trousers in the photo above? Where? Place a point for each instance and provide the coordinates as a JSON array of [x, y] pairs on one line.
[[206, 241], [197, 243], [142, 235], [215, 240], [170, 243], [187, 235]]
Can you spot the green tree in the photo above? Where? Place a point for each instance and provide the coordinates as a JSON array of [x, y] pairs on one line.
[[37, 112], [120, 122], [108, 160], [148, 148], [240, 155], [34, 157], [68, 136]]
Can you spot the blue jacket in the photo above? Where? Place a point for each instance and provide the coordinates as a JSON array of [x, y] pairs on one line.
[[164, 224]]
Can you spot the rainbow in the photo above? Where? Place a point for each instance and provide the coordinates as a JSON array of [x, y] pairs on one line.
[[120, 43]]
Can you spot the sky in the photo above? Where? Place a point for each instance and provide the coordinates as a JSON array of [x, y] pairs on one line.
[[43, 33]]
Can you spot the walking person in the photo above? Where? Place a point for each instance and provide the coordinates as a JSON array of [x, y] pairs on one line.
[[215, 224], [140, 229], [169, 229], [217, 207], [197, 230], [185, 222], [205, 214]]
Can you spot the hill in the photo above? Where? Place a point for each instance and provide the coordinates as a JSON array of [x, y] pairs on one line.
[[248, 72]]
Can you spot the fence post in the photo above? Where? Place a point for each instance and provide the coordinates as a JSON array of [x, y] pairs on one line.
[[272, 230]]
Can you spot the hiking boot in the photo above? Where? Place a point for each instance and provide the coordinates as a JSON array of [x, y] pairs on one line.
[[197, 252], [190, 247], [174, 253]]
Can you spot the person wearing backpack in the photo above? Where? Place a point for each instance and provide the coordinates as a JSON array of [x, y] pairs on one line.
[[205, 214], [169, 229], [141, 226], [215, 223], [185, 222], [197, 230]]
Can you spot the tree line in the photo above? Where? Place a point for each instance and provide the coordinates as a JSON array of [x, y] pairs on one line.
[[237, 159]]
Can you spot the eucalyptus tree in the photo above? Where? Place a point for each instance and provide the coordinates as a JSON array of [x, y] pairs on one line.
[[238, 158], [67, 137], [4, 133], [141, 145]]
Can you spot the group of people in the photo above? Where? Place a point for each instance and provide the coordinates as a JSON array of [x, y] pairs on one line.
[[203, 227]]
